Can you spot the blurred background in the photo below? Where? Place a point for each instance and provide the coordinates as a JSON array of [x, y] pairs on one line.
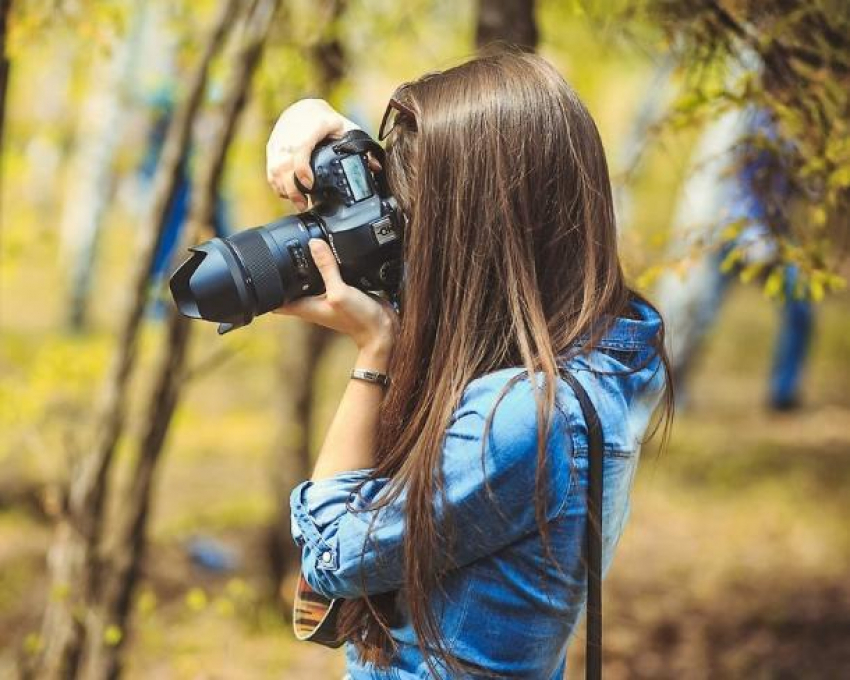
[[145, 462]]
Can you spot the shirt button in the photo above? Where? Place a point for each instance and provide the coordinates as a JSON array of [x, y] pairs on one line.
[[326, 557]]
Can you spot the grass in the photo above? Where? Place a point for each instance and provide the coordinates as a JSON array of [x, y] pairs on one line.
[[733, 565]]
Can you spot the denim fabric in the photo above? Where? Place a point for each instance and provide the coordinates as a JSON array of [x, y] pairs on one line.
[[796, 327], [506, 607]]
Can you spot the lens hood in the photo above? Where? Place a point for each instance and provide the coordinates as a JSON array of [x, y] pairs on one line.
[[211, 285]]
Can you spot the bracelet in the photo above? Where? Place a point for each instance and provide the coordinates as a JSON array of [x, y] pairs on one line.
[[371, 376]]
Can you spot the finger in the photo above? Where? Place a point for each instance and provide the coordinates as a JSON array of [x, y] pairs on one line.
[[288, 181], [301, 166], [275, 162], [275, 183], [278, 166], [314, 309], [327, 265], [327, 126]]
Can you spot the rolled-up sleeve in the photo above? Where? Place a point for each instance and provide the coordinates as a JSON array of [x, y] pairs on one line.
[[319, 506], [330, 525], [350, 548]]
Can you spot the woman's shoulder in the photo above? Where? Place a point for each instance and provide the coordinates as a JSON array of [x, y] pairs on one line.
[[507, 397], [508, 388], [629, 339]]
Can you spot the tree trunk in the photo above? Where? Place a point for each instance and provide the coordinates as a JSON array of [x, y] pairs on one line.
[[506, 21], [306, 345], [106, 624], [92, 178], [5, 9], [328, 54], [73, 555]]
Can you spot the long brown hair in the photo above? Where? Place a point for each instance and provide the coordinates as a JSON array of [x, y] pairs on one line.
[[510, 257]]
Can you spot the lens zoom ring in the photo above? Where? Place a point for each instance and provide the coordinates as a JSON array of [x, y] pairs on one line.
[[258, 260]]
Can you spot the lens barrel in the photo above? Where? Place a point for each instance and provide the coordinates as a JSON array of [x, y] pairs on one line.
[[232, 280]]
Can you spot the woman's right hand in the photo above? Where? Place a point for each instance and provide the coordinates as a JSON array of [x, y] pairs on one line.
[[297, 131]]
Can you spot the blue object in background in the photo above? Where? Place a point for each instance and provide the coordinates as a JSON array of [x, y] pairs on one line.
[[792, 346], [163, 109], [211, 555]]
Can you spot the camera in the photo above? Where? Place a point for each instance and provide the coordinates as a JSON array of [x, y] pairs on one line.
[[232, 280]]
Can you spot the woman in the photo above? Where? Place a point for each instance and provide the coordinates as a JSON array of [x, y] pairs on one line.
[[448, 508]]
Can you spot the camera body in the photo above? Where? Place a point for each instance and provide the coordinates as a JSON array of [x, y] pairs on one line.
[[232, 280]]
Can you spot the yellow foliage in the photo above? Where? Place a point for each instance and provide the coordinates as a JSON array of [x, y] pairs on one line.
[[196, 599], [60, 592], [751, 271], [146, 602], [774, 283], [33, 643], [224, 606], [734, 257], [112, 635]]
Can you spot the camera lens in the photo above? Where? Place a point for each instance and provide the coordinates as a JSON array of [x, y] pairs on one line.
[[258, 263], [233, 280]]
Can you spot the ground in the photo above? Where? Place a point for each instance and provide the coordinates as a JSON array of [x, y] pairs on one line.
[[734, 563]]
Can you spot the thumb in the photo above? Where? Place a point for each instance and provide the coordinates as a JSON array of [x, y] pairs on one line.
[[326, 264]]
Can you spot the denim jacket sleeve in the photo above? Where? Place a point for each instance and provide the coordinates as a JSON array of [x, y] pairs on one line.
[[490, 501]]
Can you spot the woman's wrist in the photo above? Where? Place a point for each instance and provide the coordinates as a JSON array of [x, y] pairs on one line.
[[375, 354]]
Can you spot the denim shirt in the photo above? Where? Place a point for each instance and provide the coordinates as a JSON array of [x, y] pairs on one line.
[[506, 607]]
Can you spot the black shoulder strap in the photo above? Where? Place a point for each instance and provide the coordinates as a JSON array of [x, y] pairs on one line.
[[593, 534]]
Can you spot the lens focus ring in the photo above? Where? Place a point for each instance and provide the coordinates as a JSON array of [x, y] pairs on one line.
[[257, 259]]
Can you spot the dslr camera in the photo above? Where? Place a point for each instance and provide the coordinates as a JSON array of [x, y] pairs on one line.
[[231, 280]]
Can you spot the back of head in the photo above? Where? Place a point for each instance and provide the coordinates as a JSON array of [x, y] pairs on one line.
[[506, 187]]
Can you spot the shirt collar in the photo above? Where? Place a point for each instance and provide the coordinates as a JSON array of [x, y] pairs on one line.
[[631, 334]]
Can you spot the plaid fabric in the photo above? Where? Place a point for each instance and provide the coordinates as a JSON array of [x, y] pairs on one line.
[[314, 616]]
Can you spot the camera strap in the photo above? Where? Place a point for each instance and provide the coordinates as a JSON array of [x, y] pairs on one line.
[[357, 141], [593, 533]]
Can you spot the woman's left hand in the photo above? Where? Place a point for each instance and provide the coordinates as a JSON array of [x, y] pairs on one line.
[[371, 322]]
